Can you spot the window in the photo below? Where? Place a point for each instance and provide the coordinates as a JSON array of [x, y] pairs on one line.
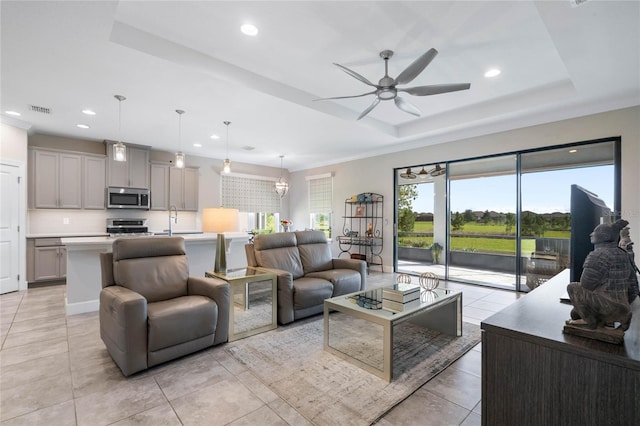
[[256, 200], [320, 198]]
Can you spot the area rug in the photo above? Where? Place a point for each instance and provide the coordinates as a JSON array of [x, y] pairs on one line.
[[327, 390]]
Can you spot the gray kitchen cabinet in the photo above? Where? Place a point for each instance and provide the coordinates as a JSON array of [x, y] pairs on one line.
[[50, 260], [159, 187], [95, 178], [184, 187], [57, 180], [133, 173]]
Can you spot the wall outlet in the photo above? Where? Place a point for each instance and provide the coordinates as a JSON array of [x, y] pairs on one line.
[[65, 220]]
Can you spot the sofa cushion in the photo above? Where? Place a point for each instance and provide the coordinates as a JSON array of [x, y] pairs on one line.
[[172, 322], [278, 251], [273, 241], [310, 291], [344, 281], [314, 251]]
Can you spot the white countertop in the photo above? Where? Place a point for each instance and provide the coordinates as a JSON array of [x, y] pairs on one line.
[[106, 240], [68, 235]]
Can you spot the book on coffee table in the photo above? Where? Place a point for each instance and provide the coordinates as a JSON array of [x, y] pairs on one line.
[[390, 305], [401, 293]]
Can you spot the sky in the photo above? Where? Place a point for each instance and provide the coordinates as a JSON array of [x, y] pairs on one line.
[[542, 192]]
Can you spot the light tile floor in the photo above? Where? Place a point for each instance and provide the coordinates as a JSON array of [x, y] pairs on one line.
[[55, 370]]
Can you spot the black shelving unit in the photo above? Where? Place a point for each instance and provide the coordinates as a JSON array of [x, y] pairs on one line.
[[362, 230]]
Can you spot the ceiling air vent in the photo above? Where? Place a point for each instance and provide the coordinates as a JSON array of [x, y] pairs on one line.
[[41, 110], [576, 3]]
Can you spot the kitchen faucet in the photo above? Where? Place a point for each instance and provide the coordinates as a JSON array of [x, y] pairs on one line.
[[172, 219]]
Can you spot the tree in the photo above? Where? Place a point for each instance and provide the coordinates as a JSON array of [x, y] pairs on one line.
[[509, 222], [406, 218], [533, 224], [486, 217], [457, 222], [469, 216]]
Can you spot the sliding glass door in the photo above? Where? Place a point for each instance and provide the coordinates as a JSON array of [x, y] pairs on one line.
[[482, 221], [504, 220]]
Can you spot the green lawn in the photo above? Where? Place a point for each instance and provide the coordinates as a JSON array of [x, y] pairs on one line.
[[483, 245], [479, 228]]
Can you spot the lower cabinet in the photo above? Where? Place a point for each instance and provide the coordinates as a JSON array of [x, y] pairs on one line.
[[46, 260]]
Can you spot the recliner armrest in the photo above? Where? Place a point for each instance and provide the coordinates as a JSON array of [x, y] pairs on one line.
[[123, 327], [356, 265], [219, 291]]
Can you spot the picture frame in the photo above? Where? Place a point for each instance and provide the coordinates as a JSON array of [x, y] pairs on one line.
[[359, 211]]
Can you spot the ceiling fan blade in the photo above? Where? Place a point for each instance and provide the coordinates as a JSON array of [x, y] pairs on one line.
[[435, 89], [406, 106], [346, 97], [354, 75], [416, 67], [375, 102]]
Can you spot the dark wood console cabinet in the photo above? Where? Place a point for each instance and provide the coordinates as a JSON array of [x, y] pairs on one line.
[[533, 374]]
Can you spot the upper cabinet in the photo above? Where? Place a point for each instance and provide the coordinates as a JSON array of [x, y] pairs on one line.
[[95, 179], [183, 188], [57, 180], [66, 180], [159, 187], [133, 173]]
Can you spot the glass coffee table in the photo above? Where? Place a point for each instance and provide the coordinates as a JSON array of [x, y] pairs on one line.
[[362, 328], [253, 301]]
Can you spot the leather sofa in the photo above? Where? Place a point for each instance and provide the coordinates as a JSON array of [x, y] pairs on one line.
[[307, 274], [151, 310]]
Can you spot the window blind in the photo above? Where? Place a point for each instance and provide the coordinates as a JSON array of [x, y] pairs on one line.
[[249, 194], [320, 195]]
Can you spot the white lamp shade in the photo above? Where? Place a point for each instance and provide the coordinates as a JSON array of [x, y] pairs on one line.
[[219, 220]]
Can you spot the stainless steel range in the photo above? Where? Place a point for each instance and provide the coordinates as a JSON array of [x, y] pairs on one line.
[[117, 227]]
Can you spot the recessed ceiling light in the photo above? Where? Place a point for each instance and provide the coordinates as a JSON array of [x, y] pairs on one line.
[[493, 72], [572, 151], [249, 29], [82, 126], [197, 145], [88, 112], [14, 113], [214, 136]]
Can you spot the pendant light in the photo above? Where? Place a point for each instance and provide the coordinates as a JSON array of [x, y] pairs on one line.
[[226, 166], [180, 154], [281, 186], [119, 149]]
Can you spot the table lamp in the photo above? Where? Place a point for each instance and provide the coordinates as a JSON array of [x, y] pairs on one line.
[[220, 220]]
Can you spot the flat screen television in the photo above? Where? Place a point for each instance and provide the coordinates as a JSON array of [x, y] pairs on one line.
[[587, 212]]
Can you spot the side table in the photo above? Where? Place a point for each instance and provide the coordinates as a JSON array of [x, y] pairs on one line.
[[253, 296]]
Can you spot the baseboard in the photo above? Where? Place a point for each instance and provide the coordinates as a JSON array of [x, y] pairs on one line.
[[82, 307]]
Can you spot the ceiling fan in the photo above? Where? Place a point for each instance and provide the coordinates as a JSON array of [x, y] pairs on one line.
[[423, 174], [386, 88]]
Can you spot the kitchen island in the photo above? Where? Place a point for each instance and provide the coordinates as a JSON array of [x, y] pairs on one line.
[[83, 264]]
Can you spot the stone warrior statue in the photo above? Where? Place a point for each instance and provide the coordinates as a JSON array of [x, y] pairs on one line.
[[607, 287]]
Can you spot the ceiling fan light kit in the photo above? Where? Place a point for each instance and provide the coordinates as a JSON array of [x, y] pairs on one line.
[[387, 89]]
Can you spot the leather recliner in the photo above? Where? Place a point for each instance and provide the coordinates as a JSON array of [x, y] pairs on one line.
[[306, 272], [151, 310]]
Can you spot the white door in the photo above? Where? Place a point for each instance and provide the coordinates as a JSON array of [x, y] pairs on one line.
[[9, 228]]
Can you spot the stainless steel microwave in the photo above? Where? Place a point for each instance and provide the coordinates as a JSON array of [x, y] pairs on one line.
[[127, 198]]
